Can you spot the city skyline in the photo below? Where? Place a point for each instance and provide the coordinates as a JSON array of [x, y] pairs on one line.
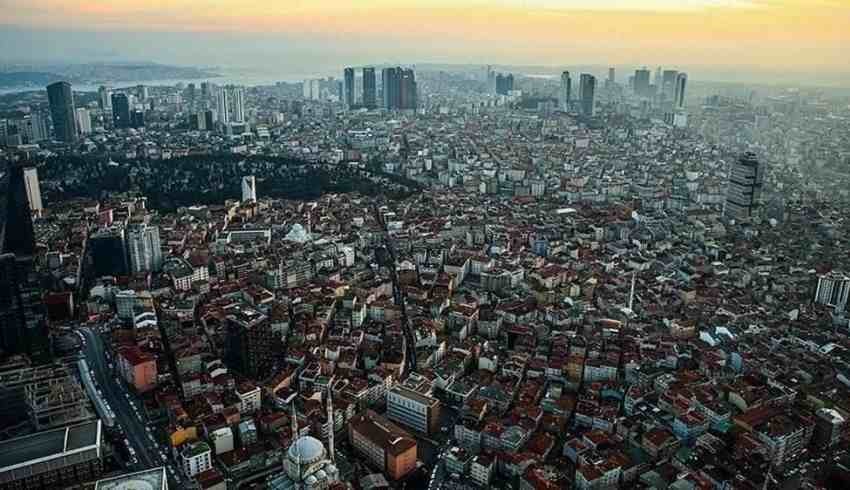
[[751, 35]]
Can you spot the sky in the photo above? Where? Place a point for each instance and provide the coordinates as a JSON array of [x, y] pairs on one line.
[[797, 36]]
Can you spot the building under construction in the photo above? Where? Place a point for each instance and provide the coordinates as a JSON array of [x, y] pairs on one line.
[[46, 396]]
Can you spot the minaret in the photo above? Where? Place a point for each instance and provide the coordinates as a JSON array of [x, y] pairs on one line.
[[294, 424], [632, 292], [330, 424]]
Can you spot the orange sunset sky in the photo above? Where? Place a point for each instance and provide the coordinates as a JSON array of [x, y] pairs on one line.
[[758, 33]]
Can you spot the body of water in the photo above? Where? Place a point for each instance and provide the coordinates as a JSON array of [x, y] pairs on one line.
[[225, 78]]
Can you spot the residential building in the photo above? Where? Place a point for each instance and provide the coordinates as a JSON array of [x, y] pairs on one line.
[[144, 248], [196, 457], [385, 445], [413, 409], [137, 368]]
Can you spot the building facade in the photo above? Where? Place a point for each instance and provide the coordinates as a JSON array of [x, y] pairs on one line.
[[61, 100], [144, 250], [743, 194], [412, 409], [385, 445]]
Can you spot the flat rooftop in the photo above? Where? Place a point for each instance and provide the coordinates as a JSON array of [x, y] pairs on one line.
[[151, 479], [47, 445]]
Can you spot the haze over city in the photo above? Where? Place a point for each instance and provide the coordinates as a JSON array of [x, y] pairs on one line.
[[796, 40]]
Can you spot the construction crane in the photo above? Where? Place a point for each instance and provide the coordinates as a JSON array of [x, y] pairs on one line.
[[387, 257]]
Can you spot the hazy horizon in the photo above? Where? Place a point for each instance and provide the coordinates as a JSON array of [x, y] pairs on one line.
[[801, 41]]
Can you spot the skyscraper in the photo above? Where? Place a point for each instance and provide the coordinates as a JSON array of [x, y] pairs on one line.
[[108, 251], [565, 92], [137, 119], [237, 104], [223, 106], [668, 83], [83, 120], [16, 231], [407, 90], [23, 317], [642, 82], [61, 100], [679, 93], [504, 84], [144, 249], [120, 110], [587, 94], [34, 128], [369, 89], [611, 76], [249, 188], [390, 78], [743, 193], [103, 100], [833, 289], [491, 80], [33, 189], [348, 88], [312, 89]]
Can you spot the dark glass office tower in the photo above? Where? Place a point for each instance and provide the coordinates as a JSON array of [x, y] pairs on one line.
[[390, 78], [120, 110], [407, 90], [61, 100], [587, 93], [348, 88], [23, 317], [16, 230], [369, 90]]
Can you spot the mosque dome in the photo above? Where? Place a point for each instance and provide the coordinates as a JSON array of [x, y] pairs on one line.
[[307, 450]]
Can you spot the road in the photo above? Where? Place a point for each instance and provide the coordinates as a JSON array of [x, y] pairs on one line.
[[147, 451]]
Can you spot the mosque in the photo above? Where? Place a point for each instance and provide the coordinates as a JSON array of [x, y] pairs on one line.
[[307, 465]]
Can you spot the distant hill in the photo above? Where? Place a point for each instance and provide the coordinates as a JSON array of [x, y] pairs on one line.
[[95, 73], [27, 79]]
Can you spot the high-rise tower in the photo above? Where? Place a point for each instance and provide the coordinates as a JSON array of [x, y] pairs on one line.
[[565, 92], [120, 110], [743, 193], [61, 100], [143, 246], [587, 94], [237, 103], [369, 89], [23, 317], [390, 78], [407, 90], [223, 106], [348, 88], [33, 189], [249, 188], [642, 83], [679, 93]]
